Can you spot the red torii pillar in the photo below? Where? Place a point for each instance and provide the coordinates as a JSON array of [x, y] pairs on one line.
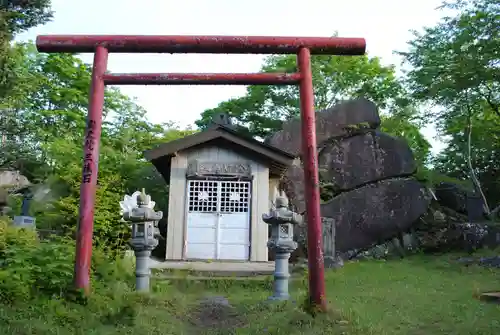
[[101, 46]]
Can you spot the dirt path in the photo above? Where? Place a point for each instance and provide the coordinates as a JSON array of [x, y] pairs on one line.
[[215, 313]]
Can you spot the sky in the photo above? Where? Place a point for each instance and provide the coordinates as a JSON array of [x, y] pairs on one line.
[[385, 24]]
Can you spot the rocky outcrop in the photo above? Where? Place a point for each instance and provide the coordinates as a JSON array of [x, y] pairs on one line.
[[351, 162], [447, 225], [375, 212], [10, 181], [342, 120], [370, 174]]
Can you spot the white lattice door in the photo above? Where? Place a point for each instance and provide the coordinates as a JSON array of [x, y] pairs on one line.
[[218, 220]]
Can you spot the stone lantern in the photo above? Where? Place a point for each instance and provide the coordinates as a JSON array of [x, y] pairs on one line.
[[281, 221], [138, 209]]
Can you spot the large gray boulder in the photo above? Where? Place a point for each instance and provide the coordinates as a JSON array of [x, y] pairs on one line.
[[374, 195]]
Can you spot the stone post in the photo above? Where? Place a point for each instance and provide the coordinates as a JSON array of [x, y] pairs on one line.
[[145, 233], [142, 270], [25, 220], [281, 221]]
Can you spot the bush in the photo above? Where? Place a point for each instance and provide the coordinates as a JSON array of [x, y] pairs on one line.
[[32, 268]]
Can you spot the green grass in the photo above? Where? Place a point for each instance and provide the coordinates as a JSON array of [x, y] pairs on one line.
[[416, 296], [419, 295]]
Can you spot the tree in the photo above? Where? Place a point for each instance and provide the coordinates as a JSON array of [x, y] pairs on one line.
[[15, 75], [455, 63], [486, 139], [264, 108], [455, 67], [18, 16], [399, 126], [45, 135], [15, 17]]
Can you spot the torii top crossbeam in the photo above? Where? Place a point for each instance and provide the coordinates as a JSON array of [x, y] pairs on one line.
[[201, 44]]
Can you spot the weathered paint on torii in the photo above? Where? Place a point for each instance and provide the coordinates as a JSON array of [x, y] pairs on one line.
[[101, 46]]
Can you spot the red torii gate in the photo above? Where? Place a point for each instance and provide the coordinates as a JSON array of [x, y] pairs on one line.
[[101, 46]]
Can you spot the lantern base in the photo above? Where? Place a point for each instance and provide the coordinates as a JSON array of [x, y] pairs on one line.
[[281, 276], [280, 298], [142, 270], [24, 221]]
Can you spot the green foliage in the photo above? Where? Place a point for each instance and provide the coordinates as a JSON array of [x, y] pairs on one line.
[[31, 268], [44, 101], [454, 67], [44, 141], [17, 16], [455, 63], [264, 108], [399, 126], [485, 156], [432, 177], [395, 288]]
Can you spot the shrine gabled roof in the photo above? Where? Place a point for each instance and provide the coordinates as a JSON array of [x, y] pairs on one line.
[[220, 135]]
